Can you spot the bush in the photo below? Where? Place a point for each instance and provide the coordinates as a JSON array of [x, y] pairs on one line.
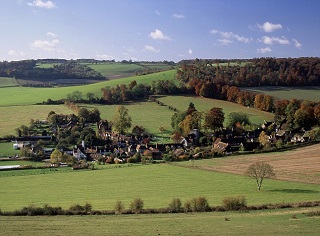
[[199, 204], [136, 205], [234, 203], [49, 210], [187, 206], [175, 205], [119, 207], [78, 209]]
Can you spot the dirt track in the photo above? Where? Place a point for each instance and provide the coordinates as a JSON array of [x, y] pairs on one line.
[[299, 165]]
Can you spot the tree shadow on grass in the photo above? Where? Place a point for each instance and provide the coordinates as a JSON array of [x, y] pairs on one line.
[[294, 190]]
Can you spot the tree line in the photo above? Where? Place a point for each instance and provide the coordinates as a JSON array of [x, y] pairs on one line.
[[253, 72], [134, 91], [27, 69]]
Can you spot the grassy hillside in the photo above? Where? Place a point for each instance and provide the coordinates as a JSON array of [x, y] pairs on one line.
[[308, 93], [8, 82], [13, 117], [205, 104], [117, 69], [146, 114], [10, 96], [156, 184]]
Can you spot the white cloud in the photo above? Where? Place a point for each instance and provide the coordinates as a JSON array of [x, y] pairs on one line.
[[151, 49], [225, 41], [158, 35], [271, 40], [104, 57], [157, 12], [16, 53], [42, 4], [297, 44], [51, 34], [45, 44], [227, 36], [269, 27], [190, 51], [264, 50], [178, 16]]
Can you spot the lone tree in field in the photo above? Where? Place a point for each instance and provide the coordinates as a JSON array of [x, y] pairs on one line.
[[259, 171], [121, 120]]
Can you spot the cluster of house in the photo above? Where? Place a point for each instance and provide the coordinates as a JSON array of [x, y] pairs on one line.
[[227, 141], [125, 146]]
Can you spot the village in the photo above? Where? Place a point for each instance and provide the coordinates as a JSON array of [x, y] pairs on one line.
[[97, 142]]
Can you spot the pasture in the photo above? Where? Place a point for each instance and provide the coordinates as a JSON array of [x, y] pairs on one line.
[[155, 116], [156, 184], [205, 104], [112, 70], [120, 70], [12, 96], [303, 93], [13, 117], [8, 82], [271, 222]]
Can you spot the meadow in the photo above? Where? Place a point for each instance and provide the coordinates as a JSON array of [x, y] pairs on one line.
[[156, 184], [17, 105], [113, 70], [307, 93], [271, 222], [13, 96]]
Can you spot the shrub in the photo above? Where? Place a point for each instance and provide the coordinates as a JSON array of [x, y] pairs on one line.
[[78, 209], [136, 205], [187, 206], [175, 205], [313, 213], [119, 207], [199, 204], [49, 210], [234, 203]]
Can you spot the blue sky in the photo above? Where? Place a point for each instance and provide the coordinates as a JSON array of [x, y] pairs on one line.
[[157, 30]]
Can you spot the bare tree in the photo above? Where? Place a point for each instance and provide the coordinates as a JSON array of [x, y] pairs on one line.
[[259, 171]]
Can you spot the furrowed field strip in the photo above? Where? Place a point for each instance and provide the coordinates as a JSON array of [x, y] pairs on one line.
[[272, 222]]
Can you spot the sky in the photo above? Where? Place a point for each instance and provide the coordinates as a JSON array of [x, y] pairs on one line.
[[157, 30]]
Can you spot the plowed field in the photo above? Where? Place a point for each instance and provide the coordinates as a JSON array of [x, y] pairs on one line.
[[299, 165]]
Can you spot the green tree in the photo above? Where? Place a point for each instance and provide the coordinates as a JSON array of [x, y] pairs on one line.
[[56, 156], [238, 117], [259, 171], [121, 121], [214, 118], [176, 119], [84, 113]]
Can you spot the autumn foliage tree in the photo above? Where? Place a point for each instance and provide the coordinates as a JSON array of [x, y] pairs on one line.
[[214, 118]]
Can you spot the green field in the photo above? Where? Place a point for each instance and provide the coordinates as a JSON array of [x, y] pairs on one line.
[[153, 117], [304, 93], [156, 184], [13, 117], [271, 222], [205, 104], [6, 149], [117, 69], [11, 96], [7, 82]]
